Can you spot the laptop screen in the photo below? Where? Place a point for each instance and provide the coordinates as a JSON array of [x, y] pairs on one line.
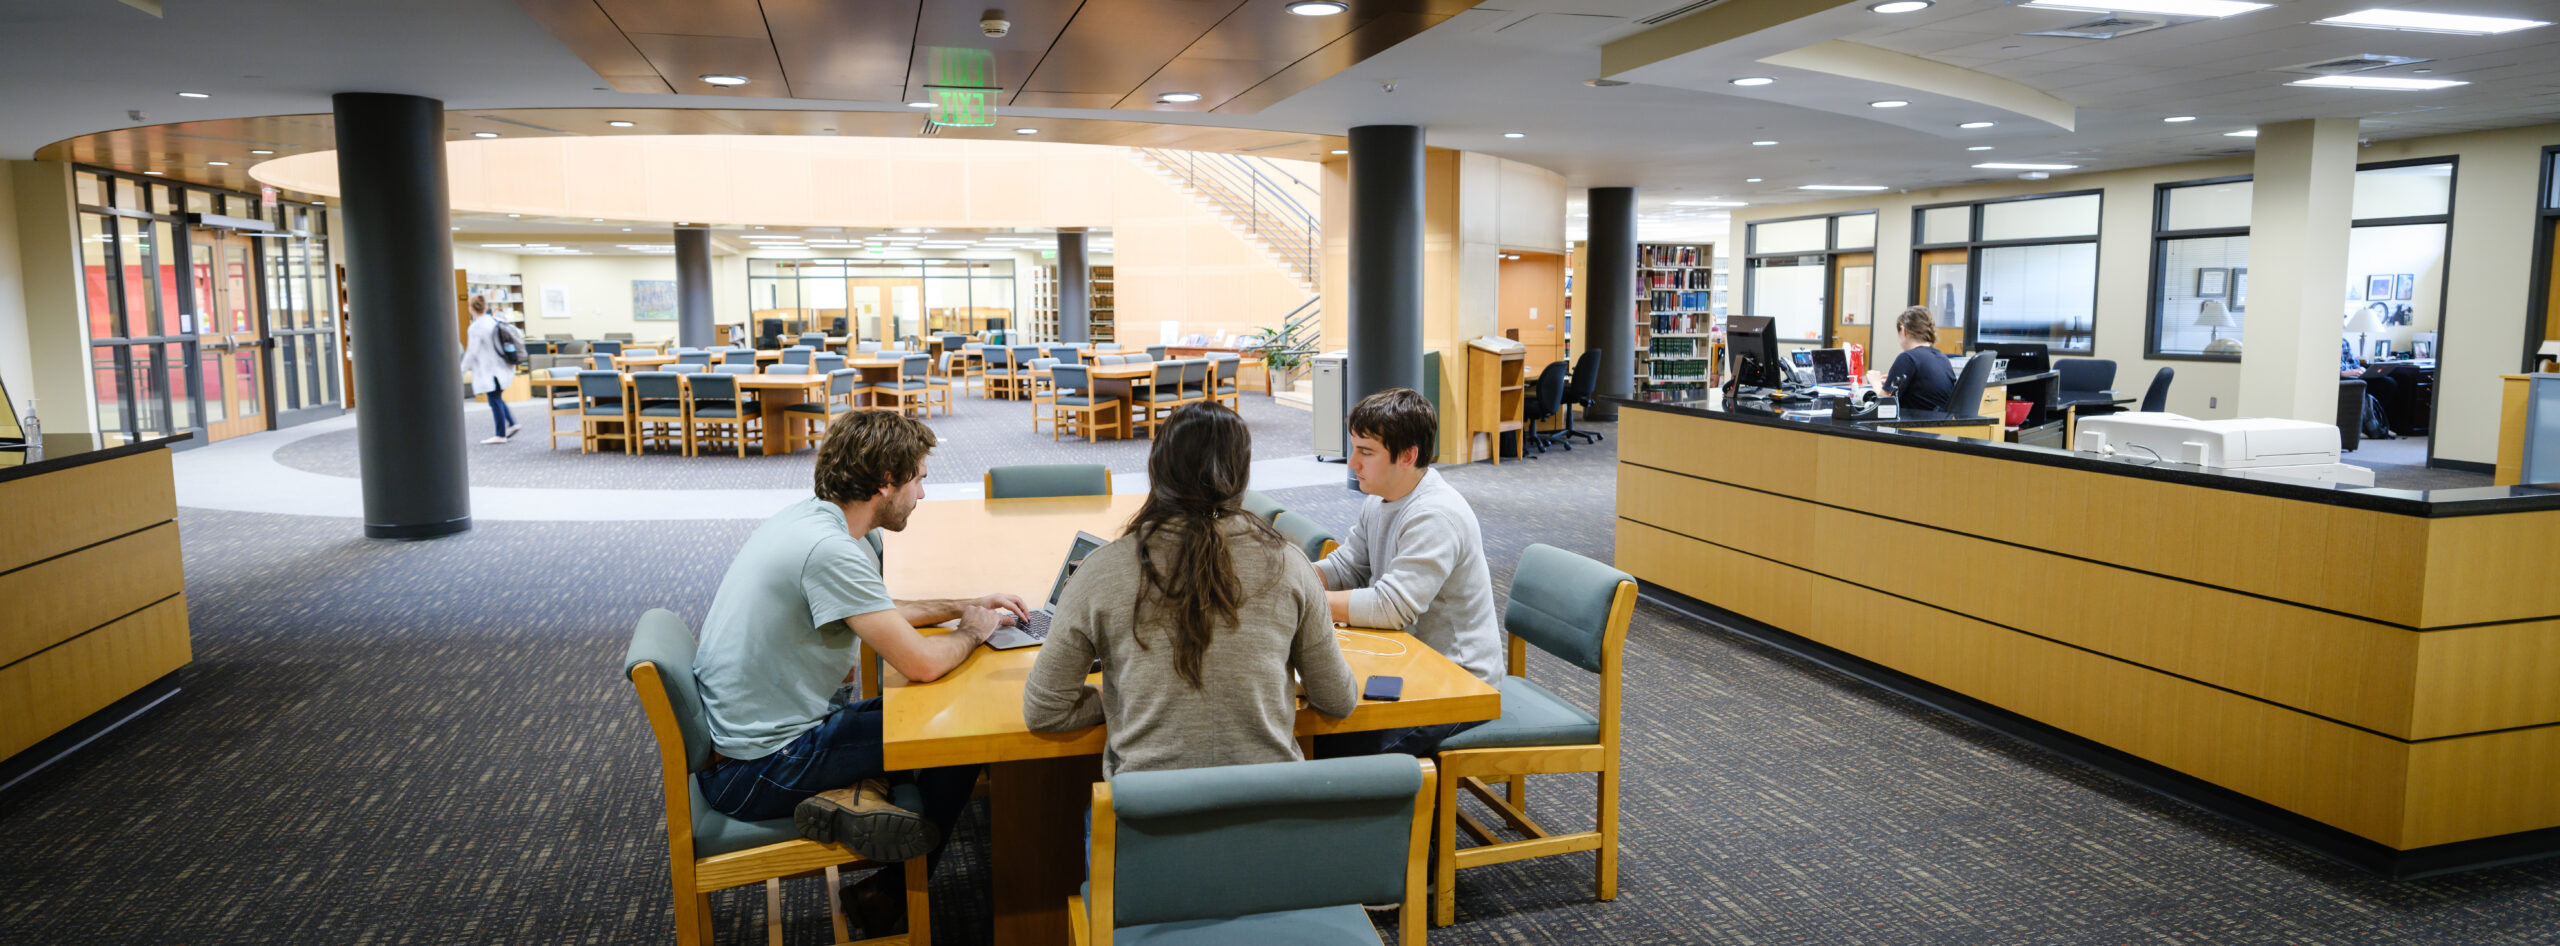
[[1085, 543]]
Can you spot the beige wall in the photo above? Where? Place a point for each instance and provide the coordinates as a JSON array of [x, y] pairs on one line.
[[57, 342], [17, 371]]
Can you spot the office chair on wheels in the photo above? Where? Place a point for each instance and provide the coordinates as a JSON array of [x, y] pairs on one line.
[[1546, 397], [1578, 390]]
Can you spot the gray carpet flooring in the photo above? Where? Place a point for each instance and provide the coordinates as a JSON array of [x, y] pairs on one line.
[[2401, 463], [429, 742]]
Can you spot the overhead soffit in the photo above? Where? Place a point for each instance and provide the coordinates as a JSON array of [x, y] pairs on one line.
[[1238, 55]]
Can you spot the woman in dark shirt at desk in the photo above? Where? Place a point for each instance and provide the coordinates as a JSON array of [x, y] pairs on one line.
[[1921, 376]]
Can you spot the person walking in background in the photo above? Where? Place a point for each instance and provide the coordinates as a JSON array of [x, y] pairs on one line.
[[490, 369]]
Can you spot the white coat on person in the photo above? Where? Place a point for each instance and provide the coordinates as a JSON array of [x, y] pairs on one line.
[[488, 371]]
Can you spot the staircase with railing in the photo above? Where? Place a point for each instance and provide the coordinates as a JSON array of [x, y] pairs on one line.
[[1270, 207]]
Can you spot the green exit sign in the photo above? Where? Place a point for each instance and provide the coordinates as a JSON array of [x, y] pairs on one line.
[[972, 107], [963, 87]]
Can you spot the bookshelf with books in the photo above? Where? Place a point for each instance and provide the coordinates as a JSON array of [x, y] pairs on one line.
[[1105, 329], [504, 291], [1679, 329], [1044, 304]]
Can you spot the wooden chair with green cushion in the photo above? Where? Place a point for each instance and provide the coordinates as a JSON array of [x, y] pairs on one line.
[[1046, 480], [1261, 504], [1280, 852], [1575, 609], [707, 850], [914, 387], [559, 403], [1160, 391], [1304, 533], [600, 394], [1044, 394], [1073, 397], [806, 422], [661, 413], [1222, 381], [713, 411]]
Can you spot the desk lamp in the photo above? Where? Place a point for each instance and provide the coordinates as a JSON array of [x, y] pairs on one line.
[[2363, 323], [2212, 315]]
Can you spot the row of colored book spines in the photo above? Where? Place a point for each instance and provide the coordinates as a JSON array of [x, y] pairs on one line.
[[1686, 323], [1678, 299], [1669, 256], [1690, 279]]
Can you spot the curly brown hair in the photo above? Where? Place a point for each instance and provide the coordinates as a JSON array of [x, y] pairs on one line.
[[868, 451], [1915, 322]]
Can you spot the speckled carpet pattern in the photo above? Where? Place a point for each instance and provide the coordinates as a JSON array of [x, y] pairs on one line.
[[429, 743]]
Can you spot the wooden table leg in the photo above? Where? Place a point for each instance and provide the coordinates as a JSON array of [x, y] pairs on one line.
[[775, 400], [1036, 816]]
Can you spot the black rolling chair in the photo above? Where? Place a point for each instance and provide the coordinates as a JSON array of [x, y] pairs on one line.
[[1578, 390], [1966, 401], [1545, 399], [769, 334], [2084, 385], [2350, 414], [2157, 399], [838, 328]]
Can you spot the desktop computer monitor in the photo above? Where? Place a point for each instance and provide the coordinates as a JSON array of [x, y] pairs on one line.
[[2025, 358], [1830, 365], [1753, 341]]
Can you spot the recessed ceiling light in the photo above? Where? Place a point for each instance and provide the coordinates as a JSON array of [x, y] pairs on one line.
[[1841, 187], [514, 216], [1977, 124], [1752, 80], [1026, 131], [595, 219], [622, 124], [219, 164], [457, 228], [1318, 7], [156, 173], [194, 95], [2433, 22], [1901, 6], [1888, 103], [919, 105], [319, 203], [2242, 133], [261, 151], [626, 229], [2016, 166], [2213, 8], [1179, 97], [484, 134], [724, 80], [1339, 151], [1513, 134], [1763, 143], [2179, 118], [1710, 203], [2377, 83], [1751, 180], [1979, 148]]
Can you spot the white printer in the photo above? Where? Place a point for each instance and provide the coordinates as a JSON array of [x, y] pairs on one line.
[[2251, 447]]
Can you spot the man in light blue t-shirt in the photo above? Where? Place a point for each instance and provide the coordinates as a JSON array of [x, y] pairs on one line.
[[780, 647]]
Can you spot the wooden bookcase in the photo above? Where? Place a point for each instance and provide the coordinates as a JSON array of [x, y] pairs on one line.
[[1497, 394], [1105, 328], [505, 292], [1680, 304], [1043, 324]]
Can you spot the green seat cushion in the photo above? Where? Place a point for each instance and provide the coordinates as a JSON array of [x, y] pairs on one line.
[[817, 407], [1079, 400], [1531, 716], [715, 410], [662, 410], [1321, 926], [604, 410]]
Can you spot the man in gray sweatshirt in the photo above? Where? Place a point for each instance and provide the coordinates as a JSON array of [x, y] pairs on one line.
[[1414, 560]]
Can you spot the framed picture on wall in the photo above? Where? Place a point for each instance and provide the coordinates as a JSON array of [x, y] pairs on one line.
[[653, 300], [2404, 286], [2422, 350], [2377, 287], [2212, 282], [2239, 288], [2381, 349]]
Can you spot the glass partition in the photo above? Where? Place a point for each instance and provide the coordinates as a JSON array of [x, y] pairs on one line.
[[2043, 293]]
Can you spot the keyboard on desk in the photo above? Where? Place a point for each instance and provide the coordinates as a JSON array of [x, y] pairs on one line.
[[1036, 626]]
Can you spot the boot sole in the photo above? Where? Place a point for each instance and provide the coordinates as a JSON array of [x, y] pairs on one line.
[[886, 836]]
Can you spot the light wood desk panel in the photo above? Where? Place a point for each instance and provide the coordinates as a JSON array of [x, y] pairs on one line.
[[53, 513], [87, 588], [42, 694]]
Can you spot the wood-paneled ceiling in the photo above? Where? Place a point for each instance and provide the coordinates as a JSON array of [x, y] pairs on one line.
[[1237, 55]]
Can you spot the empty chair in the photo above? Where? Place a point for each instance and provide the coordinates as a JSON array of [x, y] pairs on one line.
[[1546, 397], [737, 355], [995, 372], [1222, 387], [1043, 392], [1137, 356], [561, 403], [1261, 504], [608, 346], [1073, 397], [1966, 401], [683, 367], [641, 352], [604, 406], [806, 422], [798, 354], [1195, 379], [1064, 354], [1110, 359], [769, 334], [1578, 390], [735, 367], [2157, 398], [951, 341], [825, 362], [661, 397], [788, 368], [712, 411], [1304, 533], [865, 347], [1045, 480], [618, 336], [1022, 356], [919, 387], [1279, 852], [1160, 391], [814, 339], [956, 370], [600, 361], [1575, 609], [1156, 352], [1106, 346], [694, 356]]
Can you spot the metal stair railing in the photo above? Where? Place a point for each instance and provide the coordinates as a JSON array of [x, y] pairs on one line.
[[1300, 336], [1258, 195]]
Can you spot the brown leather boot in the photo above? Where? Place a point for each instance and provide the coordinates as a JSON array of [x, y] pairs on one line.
[[863, 820]]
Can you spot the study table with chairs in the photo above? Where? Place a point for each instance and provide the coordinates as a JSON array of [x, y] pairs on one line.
[[1235, 854]]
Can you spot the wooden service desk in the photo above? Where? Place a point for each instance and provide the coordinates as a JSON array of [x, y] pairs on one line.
[[1040, 783], [2371, 672]]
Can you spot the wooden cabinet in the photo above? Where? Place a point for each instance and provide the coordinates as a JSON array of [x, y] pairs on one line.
[[1496, 393]]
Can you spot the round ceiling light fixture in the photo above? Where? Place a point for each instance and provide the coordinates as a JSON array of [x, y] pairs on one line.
[[1318, 7], [1901, 6], [1178, 98], [1977, 124], [721, 79], [1888, 103], [1751, 80], [622, 124]]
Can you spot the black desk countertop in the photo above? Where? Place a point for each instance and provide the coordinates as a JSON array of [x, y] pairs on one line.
[[2437, 503], [64, 451]]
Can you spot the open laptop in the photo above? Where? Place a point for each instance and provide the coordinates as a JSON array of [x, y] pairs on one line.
[[1036, 630]]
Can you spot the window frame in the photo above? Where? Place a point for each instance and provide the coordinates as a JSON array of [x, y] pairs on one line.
[[1974, 244], [2160, 238], [1830, 254]]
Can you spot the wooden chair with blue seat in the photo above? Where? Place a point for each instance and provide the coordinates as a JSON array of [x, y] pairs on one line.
[[1041, 481], [806, 422], [1072, 397], [1310, 538], [560, 403], [1575, 609], [713, 411], [1044, 394], [1280, 852], [661, 412], [1158, 391], [920, 388], [707, 850], [601, 405]]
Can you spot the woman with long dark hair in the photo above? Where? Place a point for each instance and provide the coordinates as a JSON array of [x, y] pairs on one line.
[[1198, 614]]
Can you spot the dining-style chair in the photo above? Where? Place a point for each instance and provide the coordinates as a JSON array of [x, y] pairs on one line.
[[995, 375], [641, 352], [713, 411], [1138, 356], [937, 387], [806, 422], [1577, 610], [735, 368], [694, 356], [1195, 379], [814, 340], [912, 389], [1073, 398], [1065, 354], [601, 361], [1035, 481], [661, 413], [1159, 391], [956, 369], [1310, 538], [1157, 352], [707, 850], [825, 362], [682, 367], [1106, 346], [560, 403], [1222, 388], [798, 354], [1044, 394], [606, 346], [1100, 360], [1021, 357], [1278, 852], [604, 406]]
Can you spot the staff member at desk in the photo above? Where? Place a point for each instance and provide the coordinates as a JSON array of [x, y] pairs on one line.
[[1921, 376]]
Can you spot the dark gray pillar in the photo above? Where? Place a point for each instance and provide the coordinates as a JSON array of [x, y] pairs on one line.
[[399, 255], [1075, 289], [693, 287], [1608, 305], [1385, 312]]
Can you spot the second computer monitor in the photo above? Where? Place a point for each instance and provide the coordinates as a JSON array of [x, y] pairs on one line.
[[1830, 366], [1753, 341]]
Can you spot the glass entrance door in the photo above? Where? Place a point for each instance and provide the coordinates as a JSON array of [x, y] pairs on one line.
[[230, 339]]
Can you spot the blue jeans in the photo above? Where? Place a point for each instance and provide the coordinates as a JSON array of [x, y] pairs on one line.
[[843, 750], [498, 412]]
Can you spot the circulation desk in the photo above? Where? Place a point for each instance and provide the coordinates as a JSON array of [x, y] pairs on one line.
[[2372, 672]]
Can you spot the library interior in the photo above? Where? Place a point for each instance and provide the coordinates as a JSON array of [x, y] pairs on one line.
[[1628, 471]]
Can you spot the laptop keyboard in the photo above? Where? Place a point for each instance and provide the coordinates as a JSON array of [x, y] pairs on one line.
[[1037, 627]]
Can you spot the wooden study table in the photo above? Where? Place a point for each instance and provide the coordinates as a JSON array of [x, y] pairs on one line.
[[1040, 783], [637, 362], [774, 392], [1115, 382]]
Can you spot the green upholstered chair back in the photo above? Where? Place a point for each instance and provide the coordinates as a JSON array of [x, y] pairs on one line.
[[825, 362], [841, 381], [735, 368], [1560, 602], [1303, 533], [1056, 479], [603, 387], [657, 385], [1070, 379], [662, 638], [1236, 840], [1261, 504], [713, 386], [798, 354], [787, 368]]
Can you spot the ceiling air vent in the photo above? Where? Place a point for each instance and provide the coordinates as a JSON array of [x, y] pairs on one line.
[[1675, 13], [2350, 64], [2105, 27]]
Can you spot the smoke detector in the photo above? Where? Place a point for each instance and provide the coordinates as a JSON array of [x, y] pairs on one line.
[[994, 24]]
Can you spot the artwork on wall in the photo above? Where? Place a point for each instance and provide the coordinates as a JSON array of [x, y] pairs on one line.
[[653, 300], [2239, 288], [555, 302], [2404, 286], [2377, 287], [2212, 282]]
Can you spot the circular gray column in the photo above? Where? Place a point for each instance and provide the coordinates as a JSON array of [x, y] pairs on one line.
[[1075, 289], [1385, 313], [1608, 295], [693, 287]]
